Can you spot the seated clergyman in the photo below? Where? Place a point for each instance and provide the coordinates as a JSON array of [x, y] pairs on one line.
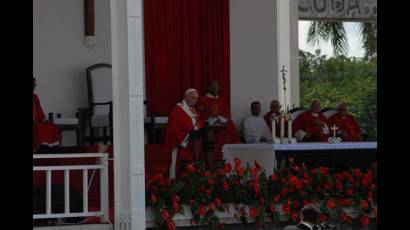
[[254, 127], [347, 127], [311, 125]]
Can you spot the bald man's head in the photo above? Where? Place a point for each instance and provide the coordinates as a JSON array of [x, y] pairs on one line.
[[191, 97], [275, 106], [315, 106]]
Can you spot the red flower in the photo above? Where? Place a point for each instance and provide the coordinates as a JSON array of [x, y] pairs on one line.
[[208, 192], [253, 212], [225, 185], [276, 198], [365, 182], [165, 214], [305, 202], [254, 172], [357, 172], [184, 174], [322, 218], [294, 216], [211, 206], [272, 208], [286, 208], [349, 192], [324, 170], [207, 174], [345, 218], [176, 198], [175, 206], [171, 225], [227, 168], [345, 202], [237, 162], [373, 186], [338, 185], [257, 165], [370, 195], [190, 167], [274, 177], [191, 202], [262, 201], [331, 204], [306, 176], [201, 210], [328, 185], [284, 192], [211, 181], [293, 180], [295, 204], [239, 171], [218, 202], [364, 220], [364, 205], [257, 188], [339, 176], [153, 198]]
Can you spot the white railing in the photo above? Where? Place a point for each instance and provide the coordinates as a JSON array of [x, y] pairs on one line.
[[101, 164]]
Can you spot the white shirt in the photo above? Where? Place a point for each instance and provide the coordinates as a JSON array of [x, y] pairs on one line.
[[254, 128], [307, 225]]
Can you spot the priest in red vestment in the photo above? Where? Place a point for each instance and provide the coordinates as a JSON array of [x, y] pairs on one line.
[[348, 128], [275, 109], [311, 126], [45, 133], [183, 126], [213, 110]]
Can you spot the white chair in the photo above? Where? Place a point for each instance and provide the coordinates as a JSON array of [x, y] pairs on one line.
[[99, 84], [297, 111], [328, 112]]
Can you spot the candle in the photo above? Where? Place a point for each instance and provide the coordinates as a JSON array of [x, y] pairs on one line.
[[289, 128], [282, 127], [273, 127]]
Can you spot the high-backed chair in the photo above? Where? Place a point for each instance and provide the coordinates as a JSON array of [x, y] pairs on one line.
[[99, 85], [328, 112], [297, 111]]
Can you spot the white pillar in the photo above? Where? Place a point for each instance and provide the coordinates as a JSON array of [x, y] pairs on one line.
[[128, 74], [294, 53], [283, 48]]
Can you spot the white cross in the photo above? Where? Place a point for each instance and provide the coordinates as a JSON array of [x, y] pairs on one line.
[[334, 128]]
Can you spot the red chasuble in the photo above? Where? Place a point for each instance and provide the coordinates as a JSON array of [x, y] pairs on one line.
[[268, 120], [305, 122], [214, 106], [44, 133], [180, 124], [347, 124]]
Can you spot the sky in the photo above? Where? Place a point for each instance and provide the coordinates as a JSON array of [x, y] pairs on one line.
[[353, 37]]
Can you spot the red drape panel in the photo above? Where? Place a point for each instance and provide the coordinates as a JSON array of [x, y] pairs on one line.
[[186, 45]]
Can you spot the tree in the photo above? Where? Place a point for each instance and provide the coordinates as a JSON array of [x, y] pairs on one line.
[[336, 34], [341, 79]]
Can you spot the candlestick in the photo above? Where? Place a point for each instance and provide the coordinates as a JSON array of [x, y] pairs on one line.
[[273, 127], [289, 129], [282, 127]]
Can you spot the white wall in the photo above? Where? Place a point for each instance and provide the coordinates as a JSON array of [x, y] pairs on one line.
[[60, 56], [255, 33], [253, 55]]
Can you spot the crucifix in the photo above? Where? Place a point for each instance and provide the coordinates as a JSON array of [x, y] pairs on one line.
[[89, 22], [334, 128], [283, 71]]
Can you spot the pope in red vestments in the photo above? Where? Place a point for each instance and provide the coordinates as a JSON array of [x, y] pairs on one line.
[[348, 128], [213, 110], [44, 132], [311, 125], [183, 121]]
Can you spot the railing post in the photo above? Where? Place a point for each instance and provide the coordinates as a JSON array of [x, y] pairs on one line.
[[48, 193], [67, 191], [85, 190], [104, 187]]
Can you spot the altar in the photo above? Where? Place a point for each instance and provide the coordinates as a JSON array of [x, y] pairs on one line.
[[337, 156]]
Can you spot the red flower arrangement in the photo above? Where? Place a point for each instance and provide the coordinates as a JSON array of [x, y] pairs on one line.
[[282, 194]]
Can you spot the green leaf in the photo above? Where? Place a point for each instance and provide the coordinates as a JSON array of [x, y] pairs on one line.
[[177, 187]]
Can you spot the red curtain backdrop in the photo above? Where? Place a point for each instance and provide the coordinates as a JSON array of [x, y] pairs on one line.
[[186, 45]]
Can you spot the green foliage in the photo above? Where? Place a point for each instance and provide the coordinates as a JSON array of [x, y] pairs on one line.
[[341, 79]]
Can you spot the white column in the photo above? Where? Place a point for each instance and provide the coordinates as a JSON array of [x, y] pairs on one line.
[[283, 48], [294, 53], [128, 73]]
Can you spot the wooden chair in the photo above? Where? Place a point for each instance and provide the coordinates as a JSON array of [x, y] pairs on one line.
[[99, 85]]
